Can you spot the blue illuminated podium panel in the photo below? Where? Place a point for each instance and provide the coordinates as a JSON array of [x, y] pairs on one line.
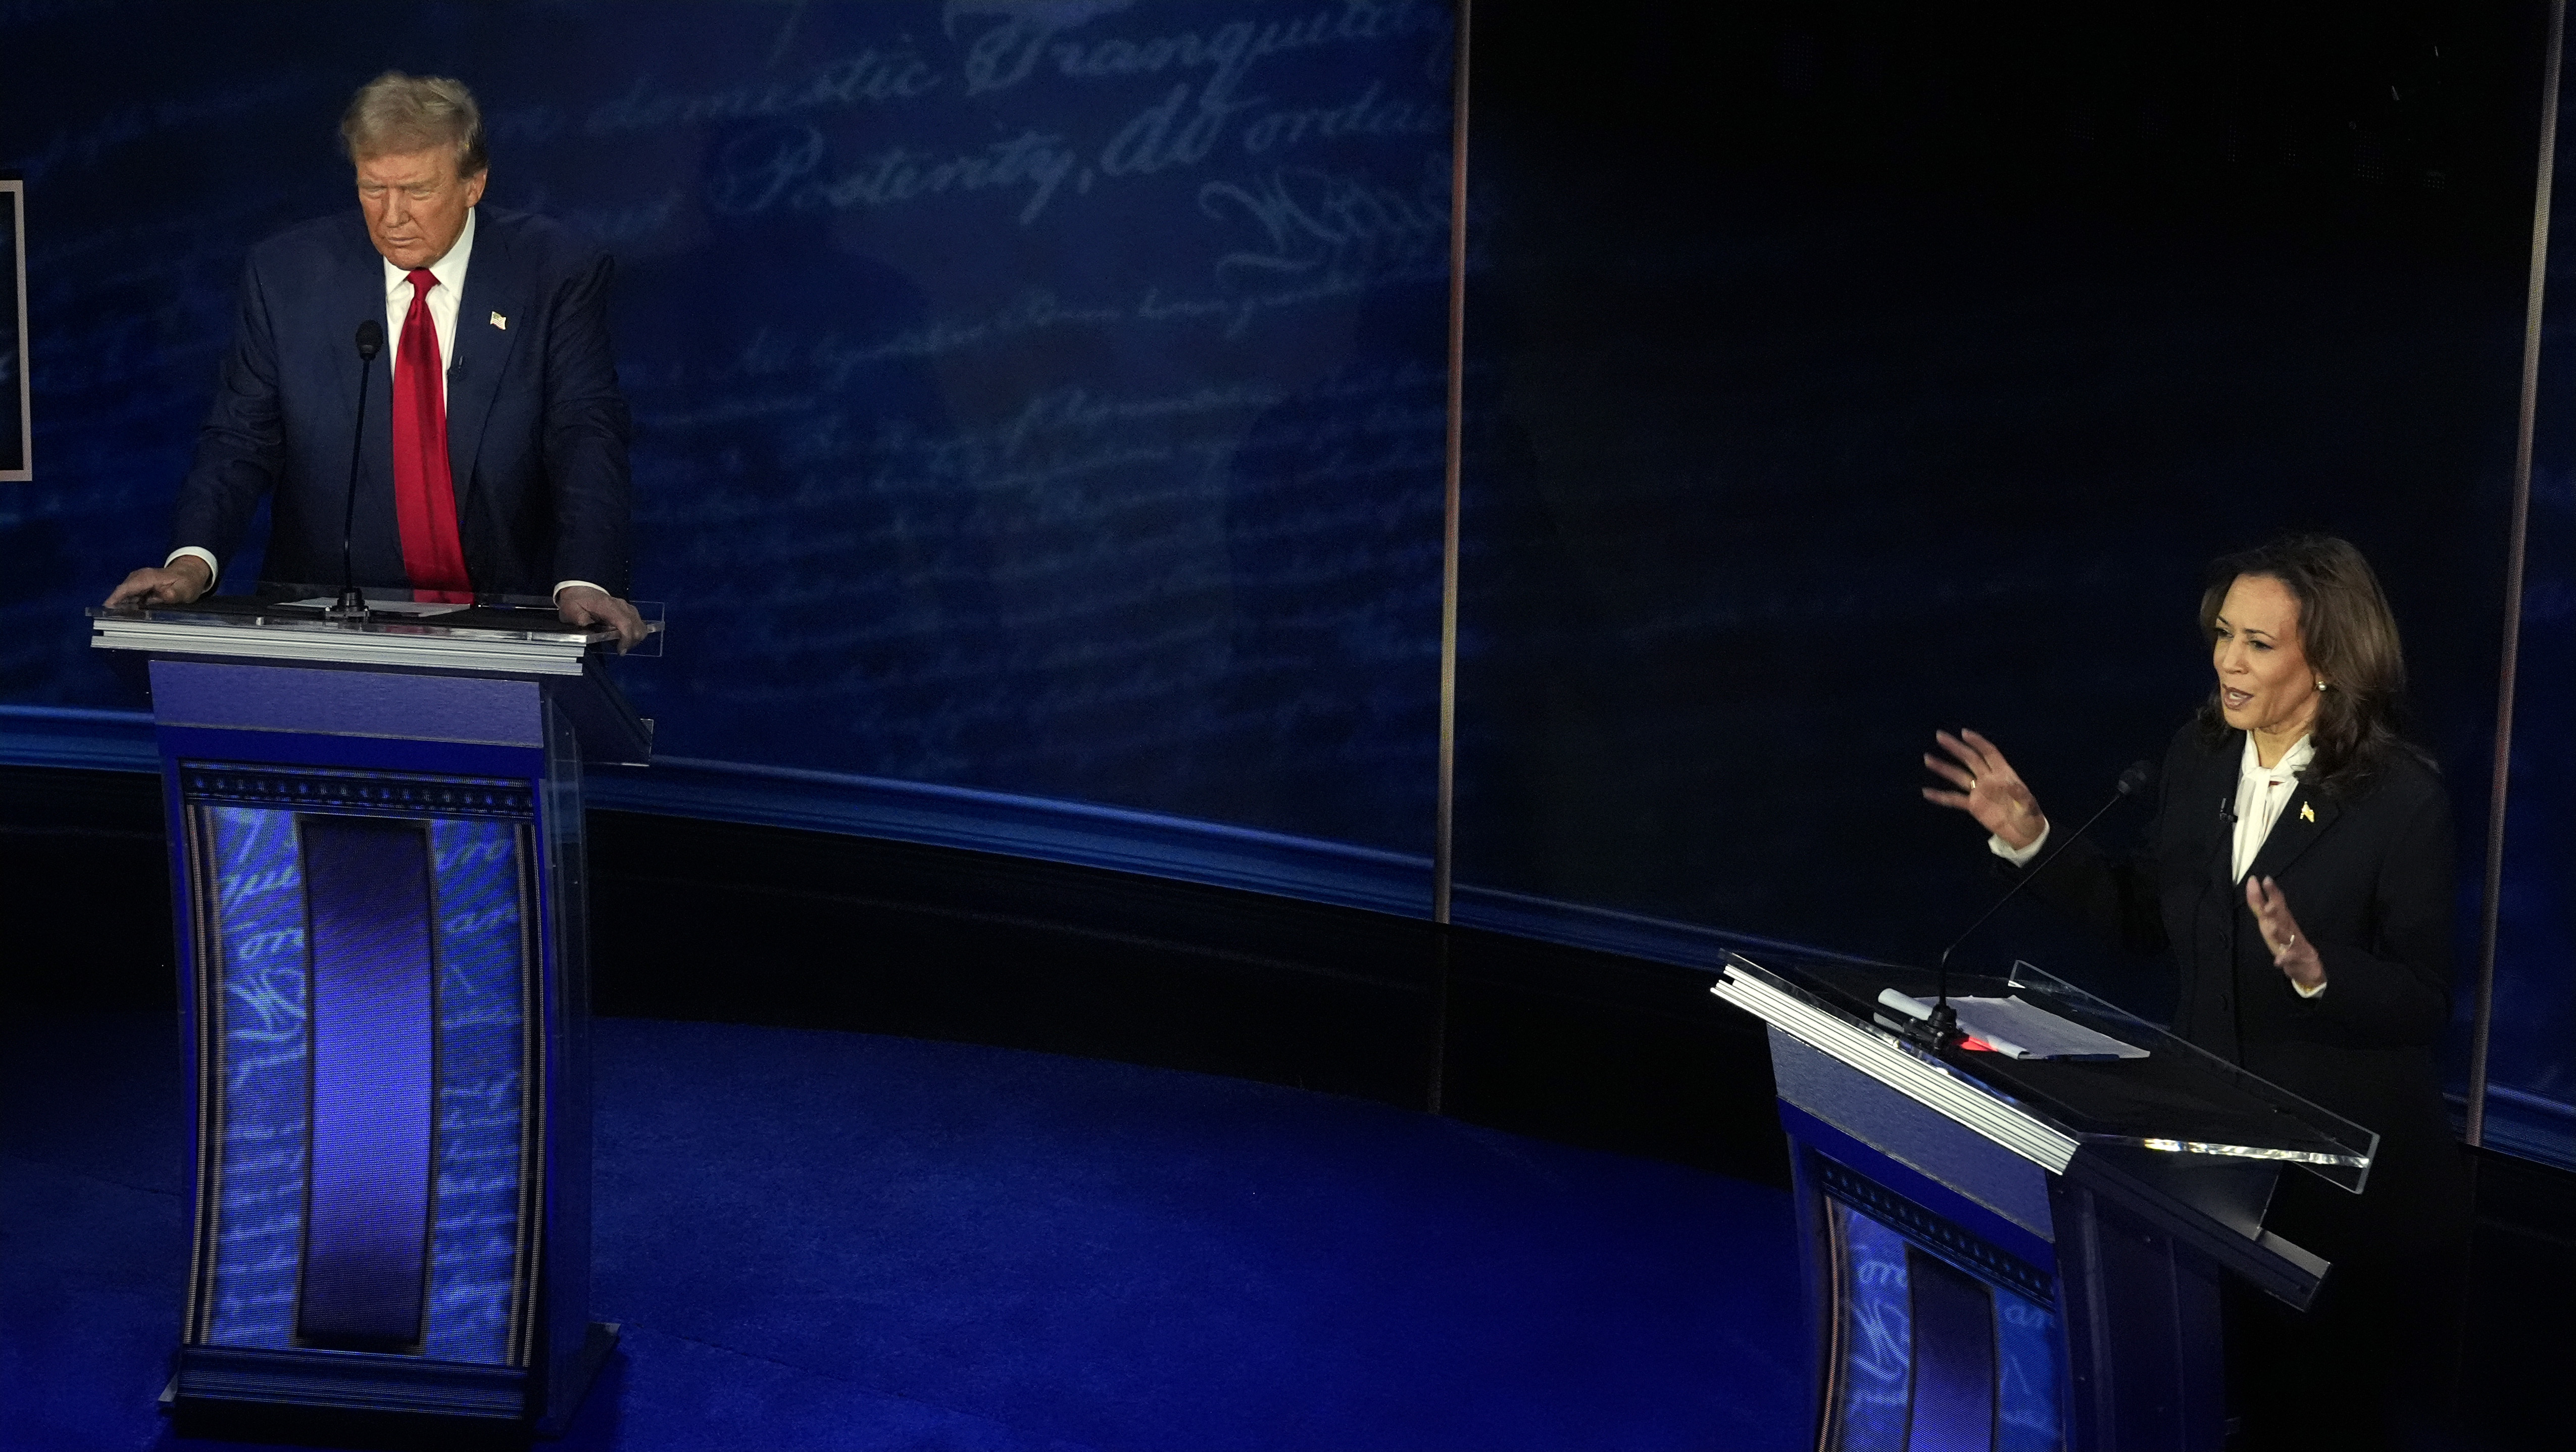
[[376, 835], [2007, 1255]]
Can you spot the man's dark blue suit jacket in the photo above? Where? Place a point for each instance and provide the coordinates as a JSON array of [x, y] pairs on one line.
[[536, 429]]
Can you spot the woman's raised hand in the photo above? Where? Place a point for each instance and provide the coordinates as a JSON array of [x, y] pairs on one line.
[[2291, 953], [1988, 788]]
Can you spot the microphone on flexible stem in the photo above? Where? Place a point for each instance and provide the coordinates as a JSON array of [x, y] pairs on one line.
[[352, 604], [1943, 1024]]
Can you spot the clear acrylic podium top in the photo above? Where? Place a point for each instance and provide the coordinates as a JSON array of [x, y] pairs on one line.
[[396, 615], [482, 636], [2180, 1099]]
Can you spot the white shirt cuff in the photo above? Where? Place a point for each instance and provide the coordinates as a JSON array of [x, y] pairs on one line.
[[2018, 856], [214, 567], [2305, 992], [564, 585]]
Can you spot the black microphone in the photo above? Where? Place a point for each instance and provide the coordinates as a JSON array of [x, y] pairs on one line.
[[352, 604], [1943, 1023]]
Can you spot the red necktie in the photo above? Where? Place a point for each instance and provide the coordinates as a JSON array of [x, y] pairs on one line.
[[424, 493]]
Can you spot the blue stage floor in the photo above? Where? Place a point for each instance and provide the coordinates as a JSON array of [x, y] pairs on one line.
[[821, 1241]]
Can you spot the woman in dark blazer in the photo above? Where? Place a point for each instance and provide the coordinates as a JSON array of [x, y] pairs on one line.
[[2299, 875]]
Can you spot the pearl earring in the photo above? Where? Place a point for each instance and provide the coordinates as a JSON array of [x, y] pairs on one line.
[[2321, 685]]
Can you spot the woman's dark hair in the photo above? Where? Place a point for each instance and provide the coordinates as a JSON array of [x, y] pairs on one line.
[[2351, 643]]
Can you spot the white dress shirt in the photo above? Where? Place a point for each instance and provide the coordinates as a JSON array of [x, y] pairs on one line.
[[444, 298], [2261, 793]]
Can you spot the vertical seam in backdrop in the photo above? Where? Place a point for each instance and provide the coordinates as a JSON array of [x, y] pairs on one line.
[[2475, 1130], [1443, 859]]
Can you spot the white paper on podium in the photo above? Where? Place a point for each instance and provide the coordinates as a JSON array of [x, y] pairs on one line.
[[2019, 1030]]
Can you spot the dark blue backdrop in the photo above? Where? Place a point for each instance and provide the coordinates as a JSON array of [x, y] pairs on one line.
[[2533, 1063], [1047, 398], [1041, 398], [1843, 371]]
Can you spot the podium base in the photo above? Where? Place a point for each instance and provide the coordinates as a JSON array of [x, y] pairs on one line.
[[361, 1399]]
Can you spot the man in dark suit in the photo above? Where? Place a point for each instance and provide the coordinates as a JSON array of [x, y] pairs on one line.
[[492, 458]]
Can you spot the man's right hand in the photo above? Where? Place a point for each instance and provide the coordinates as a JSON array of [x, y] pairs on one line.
[[182, 580]]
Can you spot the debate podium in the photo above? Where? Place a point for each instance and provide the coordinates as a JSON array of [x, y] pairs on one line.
[[2020, 1254], [376, 867]]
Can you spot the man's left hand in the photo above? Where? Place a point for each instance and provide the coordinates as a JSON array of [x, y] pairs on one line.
[[584, 605]]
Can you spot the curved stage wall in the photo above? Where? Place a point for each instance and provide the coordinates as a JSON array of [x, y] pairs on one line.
[[1076, 834], [1040, 416]]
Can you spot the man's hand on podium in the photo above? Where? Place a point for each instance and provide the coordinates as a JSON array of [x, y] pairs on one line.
[[177, 583], [586, 605]]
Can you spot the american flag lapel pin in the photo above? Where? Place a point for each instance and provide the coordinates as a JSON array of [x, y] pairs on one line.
[[501, 322]]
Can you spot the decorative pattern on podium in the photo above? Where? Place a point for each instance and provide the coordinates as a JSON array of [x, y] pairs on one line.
[[484, 1217], [276, 855], [1933, 1343], [260, 1077]]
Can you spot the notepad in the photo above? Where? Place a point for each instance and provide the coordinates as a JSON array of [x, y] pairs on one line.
[[2019, 1030]]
